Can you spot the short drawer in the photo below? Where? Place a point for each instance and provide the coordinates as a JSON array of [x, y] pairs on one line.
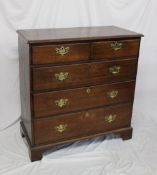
[[60, 53], [80, 124], [48, 78], [115, 49], [58, 102]]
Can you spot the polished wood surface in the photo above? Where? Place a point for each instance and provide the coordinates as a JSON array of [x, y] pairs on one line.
[[83, 74], [75, 34], [79, 98], [103, 50], [76, 84], [82, 123], [25, 83], [48, 54]]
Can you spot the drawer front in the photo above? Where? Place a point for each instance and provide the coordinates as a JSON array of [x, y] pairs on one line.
[[116, 49], [60, 53], [59, 76], [85, 123], [75, 75], [59, 102]]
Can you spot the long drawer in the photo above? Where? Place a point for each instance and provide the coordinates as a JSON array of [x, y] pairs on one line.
[[75, 125], [46, 78], [58, 102]]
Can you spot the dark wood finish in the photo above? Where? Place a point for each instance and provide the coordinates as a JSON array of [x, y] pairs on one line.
[[103, 50], [48, 54], [83, 74], [36, 36], [25, 78], [86, 87], [83, 123], [79, 99]]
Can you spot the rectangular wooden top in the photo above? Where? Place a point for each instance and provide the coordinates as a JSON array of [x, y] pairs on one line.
[[75, 33]]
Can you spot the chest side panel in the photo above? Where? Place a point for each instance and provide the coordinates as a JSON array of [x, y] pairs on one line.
[[25, 79]]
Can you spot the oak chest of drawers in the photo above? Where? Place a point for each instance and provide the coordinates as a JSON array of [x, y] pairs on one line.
[[75, 84]]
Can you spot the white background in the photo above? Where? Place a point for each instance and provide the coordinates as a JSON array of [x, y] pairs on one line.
[[137, 15]]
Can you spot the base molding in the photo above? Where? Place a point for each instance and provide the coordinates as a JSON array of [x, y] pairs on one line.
[[36, 152]]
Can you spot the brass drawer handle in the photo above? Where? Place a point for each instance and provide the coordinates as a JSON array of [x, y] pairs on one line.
[[62, 50], [61, 102], [114, 70], [61, 76], [116, 45], [112, 94], [61, 128], [110, 118]]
